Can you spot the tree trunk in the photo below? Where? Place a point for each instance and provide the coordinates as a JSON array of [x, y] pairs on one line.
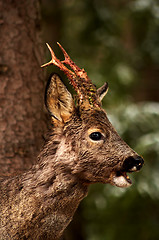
[[21, 85]]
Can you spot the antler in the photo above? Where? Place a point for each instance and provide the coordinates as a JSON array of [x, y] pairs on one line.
[[55, 61], [79, 72], [86, 91]]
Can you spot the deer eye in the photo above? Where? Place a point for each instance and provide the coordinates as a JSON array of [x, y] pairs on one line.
[[95, 136]]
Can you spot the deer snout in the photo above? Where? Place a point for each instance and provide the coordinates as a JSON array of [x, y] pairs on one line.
[[133, 163]]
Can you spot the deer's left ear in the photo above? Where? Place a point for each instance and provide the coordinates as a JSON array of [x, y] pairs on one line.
[[102, 91], [58, 100]]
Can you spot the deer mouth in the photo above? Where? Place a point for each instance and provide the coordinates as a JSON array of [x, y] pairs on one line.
[[121, 179], [131, 164]]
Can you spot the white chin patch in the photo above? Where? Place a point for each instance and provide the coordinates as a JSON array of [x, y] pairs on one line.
[[121, 181]]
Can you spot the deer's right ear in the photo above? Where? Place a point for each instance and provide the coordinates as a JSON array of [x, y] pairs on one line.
[[58, 100]]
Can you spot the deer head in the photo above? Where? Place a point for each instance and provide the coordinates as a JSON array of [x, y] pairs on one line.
[[101, 155]]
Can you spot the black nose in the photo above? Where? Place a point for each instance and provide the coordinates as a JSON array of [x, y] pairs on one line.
[[133, 163]]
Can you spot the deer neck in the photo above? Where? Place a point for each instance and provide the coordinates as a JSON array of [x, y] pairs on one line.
[[54, 173], [56, 189]]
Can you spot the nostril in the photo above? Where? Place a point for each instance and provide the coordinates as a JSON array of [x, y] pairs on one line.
[[139, 162], [132, 164]]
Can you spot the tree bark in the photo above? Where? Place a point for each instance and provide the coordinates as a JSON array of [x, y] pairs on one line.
[[21, 85]]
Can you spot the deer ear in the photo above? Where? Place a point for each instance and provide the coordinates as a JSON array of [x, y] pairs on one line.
[[102, 91], [58, 99]]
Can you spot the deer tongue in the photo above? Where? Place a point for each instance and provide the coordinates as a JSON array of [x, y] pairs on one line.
[[121, 179]]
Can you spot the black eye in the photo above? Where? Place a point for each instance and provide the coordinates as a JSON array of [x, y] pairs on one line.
[[96, 136]]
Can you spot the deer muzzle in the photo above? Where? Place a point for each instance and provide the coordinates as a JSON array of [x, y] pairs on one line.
[[130, 164]]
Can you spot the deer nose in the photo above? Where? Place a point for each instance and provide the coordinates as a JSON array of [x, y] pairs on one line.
[[133, 163]]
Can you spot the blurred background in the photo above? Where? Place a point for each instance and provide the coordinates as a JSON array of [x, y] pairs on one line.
[[117, 42]]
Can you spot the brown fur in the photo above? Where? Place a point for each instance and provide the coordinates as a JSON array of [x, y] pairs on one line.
[[40, 203]]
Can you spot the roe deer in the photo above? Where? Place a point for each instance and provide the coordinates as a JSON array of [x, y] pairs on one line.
[[83, 148]]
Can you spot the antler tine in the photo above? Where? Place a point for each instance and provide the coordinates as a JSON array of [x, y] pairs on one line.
[[68, 60], [79, 72]]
